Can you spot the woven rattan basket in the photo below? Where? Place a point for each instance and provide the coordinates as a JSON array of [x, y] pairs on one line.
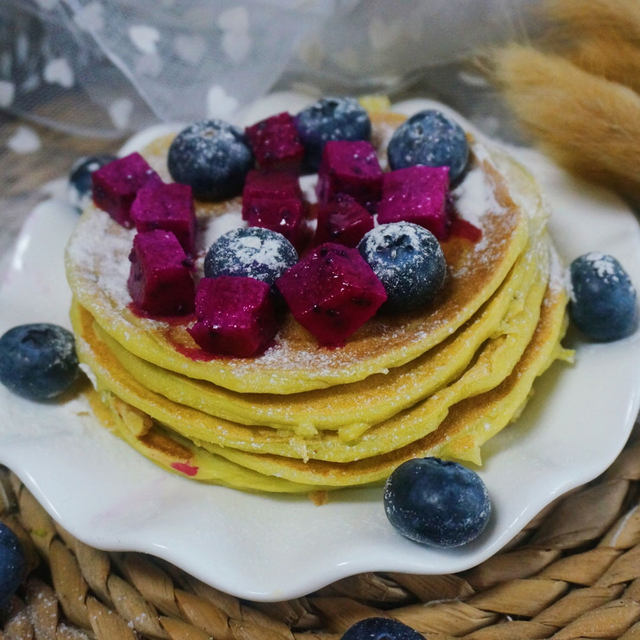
[[573, 573]]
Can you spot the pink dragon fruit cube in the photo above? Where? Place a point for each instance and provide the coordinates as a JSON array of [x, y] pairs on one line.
[[349, 166], [275, 142], [416, 194], [331, 292], [269, 184], [236, 316], [286, 216], [273, 200], [160, 281], [342, 220], [116, 184], [166, 206]]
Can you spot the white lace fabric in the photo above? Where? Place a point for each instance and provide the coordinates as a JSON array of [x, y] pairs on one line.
[[108, 67]]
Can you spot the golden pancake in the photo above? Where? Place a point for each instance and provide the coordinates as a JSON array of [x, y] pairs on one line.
[[376, 398], [97, 269], [459, 435], [468, 425], [492, 365], [372, 400], [182, 456], [299, 417]]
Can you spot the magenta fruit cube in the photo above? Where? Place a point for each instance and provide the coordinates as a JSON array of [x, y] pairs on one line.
[[286, 216], [350, 166], [273, 200], [275, 142], [116, 184], [416, 194], [160, 281], [169, 207], [269, 184], [342, 220], [236, 316], [331, 292]]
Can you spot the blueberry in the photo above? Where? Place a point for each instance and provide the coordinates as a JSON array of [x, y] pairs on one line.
[[212, 157], [381, 629], [603, 299], [79, 186], [429, 138], [251, 252], [435, 502], [38, 361], [330, 119], [408, 260], [12, 564]]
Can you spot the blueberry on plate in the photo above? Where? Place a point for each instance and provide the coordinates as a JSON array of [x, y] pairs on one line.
[[38, 361], [437, 502], [381, 629], [330, 119], [12, 564], [430, 138], [603, 299], [408, 260], [79, 185], [212, 157], [252, 252]]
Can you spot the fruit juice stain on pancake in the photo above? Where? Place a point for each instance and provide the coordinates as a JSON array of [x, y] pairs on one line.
[[185, 468]]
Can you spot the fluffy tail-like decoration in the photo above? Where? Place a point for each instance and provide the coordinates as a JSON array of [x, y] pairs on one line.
[[609, 19], [612, 58], [588, 123], [600, 36]]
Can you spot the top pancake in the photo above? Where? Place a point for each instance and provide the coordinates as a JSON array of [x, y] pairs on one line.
[[97, 268]]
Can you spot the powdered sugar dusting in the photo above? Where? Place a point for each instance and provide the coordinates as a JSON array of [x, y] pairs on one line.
[[263, 250], [308, 187], [558, 276], [602, 265], [100, 249], [474, 196], [214, 227]]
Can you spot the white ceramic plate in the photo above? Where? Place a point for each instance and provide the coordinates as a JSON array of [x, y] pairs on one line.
[[273, 548]]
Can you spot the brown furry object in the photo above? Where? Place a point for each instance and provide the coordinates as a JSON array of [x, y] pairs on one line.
[[578, 93], [610, 19], [588, 123], [600, 36], [614, 59]]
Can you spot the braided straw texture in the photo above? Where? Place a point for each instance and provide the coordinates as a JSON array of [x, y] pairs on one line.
[[573, 573]]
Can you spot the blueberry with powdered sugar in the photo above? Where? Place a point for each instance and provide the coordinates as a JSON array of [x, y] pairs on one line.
[[603, 299], [330, 119], [430, 138], [409, 262], [212, 157], [251, 252], [79, 185], [38, 361]]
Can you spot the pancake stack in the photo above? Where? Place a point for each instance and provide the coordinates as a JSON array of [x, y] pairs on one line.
[[301, 417]]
